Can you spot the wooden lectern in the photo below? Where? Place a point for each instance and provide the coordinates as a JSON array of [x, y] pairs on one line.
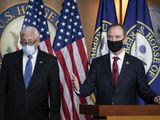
[[123, 112]]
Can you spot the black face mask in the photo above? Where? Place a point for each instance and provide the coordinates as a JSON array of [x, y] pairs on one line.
[[115, 46]]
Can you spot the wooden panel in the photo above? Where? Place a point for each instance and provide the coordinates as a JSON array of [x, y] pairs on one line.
[[89, 109], [129, 110], [121, 110], [133, 118]]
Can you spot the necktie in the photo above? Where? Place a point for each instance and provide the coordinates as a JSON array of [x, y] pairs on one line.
[[28, 71], [115, 72]]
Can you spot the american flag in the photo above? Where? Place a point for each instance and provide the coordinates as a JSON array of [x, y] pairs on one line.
[[35, 16], [70, 49]]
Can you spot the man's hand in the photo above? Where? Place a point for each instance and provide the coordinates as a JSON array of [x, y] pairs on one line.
[[75, 83], [157, 99]]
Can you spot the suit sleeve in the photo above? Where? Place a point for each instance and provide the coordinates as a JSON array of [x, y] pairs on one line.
[[55, 92], [3, 83], [144, 91], [88, 87]]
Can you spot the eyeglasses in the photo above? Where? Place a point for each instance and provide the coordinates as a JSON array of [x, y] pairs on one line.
[[27, 43]]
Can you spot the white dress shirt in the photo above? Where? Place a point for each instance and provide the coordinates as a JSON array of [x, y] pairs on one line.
[[120, 60], [33, 60]]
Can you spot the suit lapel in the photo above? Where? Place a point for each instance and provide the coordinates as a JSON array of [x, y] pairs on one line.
[[37, 69], [124, 69], [19, 67], [108, 67]]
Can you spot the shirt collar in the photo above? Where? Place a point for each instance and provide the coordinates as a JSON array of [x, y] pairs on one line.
[[121, 55]]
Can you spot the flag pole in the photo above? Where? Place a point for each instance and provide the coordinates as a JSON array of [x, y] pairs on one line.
[[120, 11]]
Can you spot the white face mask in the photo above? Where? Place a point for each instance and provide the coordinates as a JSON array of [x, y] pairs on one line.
[[29, 50]]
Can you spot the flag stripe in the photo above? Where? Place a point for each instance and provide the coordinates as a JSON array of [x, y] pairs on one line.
[[83, 54], [67, 78], [49, 48], [83, 58], [69, 64], [79, 64], [80, 67], [64, 105], [70, 49], [65, 94]]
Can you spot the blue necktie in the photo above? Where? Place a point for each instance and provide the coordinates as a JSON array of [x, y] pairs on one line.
[[28, 71]]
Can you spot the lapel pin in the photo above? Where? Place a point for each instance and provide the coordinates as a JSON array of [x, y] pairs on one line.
[[127, 63], [40, 62]]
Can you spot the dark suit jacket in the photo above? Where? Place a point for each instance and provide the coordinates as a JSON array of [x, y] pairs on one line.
[[132, 81], [18, 103]]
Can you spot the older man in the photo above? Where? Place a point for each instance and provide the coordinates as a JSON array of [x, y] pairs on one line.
[[28, 76]]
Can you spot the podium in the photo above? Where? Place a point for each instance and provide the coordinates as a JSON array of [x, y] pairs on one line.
[[123, 112]]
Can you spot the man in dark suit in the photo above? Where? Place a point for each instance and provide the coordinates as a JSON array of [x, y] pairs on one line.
[[28, 75], [117, 76]]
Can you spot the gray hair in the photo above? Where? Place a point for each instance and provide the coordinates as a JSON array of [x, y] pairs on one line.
[[28, 29]]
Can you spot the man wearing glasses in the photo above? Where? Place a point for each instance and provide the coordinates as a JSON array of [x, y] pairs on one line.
[[28, 75]]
